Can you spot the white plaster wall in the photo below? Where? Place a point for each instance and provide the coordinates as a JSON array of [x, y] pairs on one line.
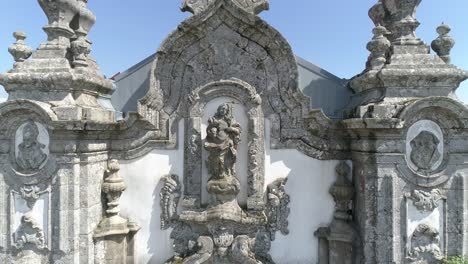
[[308, 185], [140, 202], [309, 181]]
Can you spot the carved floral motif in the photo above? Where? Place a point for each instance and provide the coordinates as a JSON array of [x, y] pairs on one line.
[[425, 201]]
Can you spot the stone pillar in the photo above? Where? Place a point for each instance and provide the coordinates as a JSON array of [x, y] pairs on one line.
[[402, 133]]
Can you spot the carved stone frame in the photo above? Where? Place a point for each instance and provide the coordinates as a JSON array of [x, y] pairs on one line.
[[198, 99]]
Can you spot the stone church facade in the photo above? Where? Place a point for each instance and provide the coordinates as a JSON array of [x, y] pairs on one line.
[[224, 158]]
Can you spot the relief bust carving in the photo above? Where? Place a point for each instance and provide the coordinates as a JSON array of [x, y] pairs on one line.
[[425, 153], [30, 152]]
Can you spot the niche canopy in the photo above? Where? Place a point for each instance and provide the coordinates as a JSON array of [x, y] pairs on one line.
[[251, 6], [223, 41]]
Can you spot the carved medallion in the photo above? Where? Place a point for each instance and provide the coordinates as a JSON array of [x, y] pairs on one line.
[[424, 147], [424, 152], [31, 147]]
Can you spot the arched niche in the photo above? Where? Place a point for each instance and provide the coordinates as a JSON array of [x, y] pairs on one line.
[[246, 96]]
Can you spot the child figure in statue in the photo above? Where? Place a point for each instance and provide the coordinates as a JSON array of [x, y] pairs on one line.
[[30, 153], [223, 137]]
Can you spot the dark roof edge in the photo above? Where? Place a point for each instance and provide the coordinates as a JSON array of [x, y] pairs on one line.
[[135, 67], [320, 71]]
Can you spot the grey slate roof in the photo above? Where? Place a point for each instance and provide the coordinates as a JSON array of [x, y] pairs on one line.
[[326, 90]]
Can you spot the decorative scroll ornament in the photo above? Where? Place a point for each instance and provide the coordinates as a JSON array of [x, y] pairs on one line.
[[425, 201], [29, 233], [444, 43], [170, 195], [425, 247], [251, 6], [277, 207], [19, 50]]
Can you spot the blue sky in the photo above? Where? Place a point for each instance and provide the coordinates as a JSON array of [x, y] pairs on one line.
[[332, 34]]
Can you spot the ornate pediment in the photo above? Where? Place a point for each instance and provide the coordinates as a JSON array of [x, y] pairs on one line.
[[251, 6]]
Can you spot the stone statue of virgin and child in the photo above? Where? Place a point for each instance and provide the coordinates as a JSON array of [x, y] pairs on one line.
[[223, 137]]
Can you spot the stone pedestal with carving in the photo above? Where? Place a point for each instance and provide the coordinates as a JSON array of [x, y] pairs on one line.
[[113, 232], [338, 241]]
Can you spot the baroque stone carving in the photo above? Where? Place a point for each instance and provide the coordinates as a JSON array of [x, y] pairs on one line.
[[30, 154], [225, 232], [170, 195], [425, 245], [336, 242], [29, 234], [425, 201], [198, 6], [223, 137], [444, 43], [277, 207], [19, 50], [31, 194], [398, 16], [379, 47], [231, 45], [113, 187], [242, 250], [204, 250], [246, 95], [424, 150]]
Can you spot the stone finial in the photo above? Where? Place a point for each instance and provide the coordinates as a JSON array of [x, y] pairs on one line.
[[379, 47], [19, 50], [251, 6], [342, 191], [398, 16], [443, 44], [80, 47], [113, 187], [65, 17]]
